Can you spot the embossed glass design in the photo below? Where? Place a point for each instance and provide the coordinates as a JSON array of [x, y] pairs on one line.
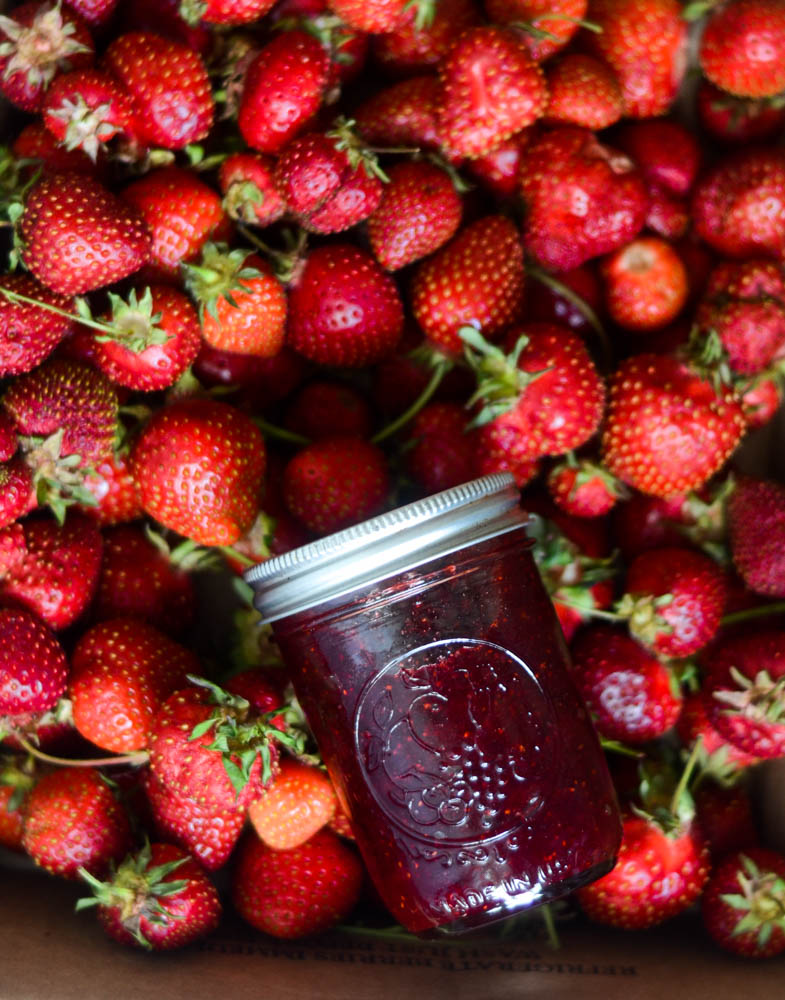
[[443, 706]]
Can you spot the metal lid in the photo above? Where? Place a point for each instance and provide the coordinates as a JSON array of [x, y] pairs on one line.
[[382, 546]]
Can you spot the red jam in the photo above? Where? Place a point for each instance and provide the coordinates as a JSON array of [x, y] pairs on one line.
[[443, 707]]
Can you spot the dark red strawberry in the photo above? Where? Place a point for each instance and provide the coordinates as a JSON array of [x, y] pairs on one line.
[[36, 142], [497, 171], [414, 47], [334, 483], [73, 820], [158, 898], [725, 816], [95, 12], [756, 528], [742, 48], [33, 667], [343, 309], [77, 236], [29, 333], [736, 120], [743, 907], [323, 409], [402, 115], [666, 151], [441, 454]]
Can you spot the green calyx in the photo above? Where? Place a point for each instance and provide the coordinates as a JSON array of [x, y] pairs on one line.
[[220, 274], [760, 699], [644, 616], [36, 50], [135, 889], [241, 201], [357, 153], [87, 128], [134, 324], [760, 901], [58, 480], [192, 11], [500, 382]]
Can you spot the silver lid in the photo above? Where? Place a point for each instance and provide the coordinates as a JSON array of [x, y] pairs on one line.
[[391, 543]]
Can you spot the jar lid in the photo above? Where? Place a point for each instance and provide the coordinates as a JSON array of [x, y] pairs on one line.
[[385, 545]]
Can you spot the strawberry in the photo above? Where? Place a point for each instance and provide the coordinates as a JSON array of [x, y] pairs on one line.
[[736, 120], [295, 893], [323, 409], [491, 89], [631, 694], [29, 333], [582, 91], [420, 210], [674, 598], [294, 806], [761, 399], [751, 334], [667, 429], [645, 43], [742, 48], [85, 109], [403, 114], [666, 152], [242, 303], [756, 530], [725, 817], [36, 142], [657, 876], [252, 378], [95, 12], [547, 24], [334, 483], [583, 488], [56, 572], [476, 279], [415, 47], [343, 309], [77, 236], [121, 672], [33, 668], [582, 198], [40, 40], [283, 89], [163, 18], [375, 16], [224, 12], [158, 898], [573, 300], [167, 85], [181, 211], [743, 691], [113, 495], [248, 186], [645, 284], [9, 443], [440, 455], [743, 907], [17, 493], [198, 466], [15, 784], [738, 207], [142, 578], [73, 820], [209, 835], [497, 171]]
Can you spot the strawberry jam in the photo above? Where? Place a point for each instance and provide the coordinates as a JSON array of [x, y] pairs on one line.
[[436, 682]]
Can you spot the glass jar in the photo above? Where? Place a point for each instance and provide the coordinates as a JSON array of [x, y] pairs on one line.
[[430, 664]]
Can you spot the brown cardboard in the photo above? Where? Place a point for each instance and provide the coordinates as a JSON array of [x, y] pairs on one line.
[[48, 951]]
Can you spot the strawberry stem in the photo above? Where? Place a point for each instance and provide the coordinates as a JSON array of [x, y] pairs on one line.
[[86, 320], [134, 759], [686, 774], [280, 433], [441, 367], [580, 304], [550, 926], [775, 608]]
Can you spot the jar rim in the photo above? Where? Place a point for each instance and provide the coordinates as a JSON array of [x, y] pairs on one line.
[[382, 546]]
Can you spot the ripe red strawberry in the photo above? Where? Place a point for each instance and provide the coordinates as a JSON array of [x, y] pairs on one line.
[[419, 211], [657, 875], [412, 47], [742, 48], [167, 85], [158, 898], [114, 498], [73, 820], [242, 303], [294, 806], [743, 907], [582, 91], [77, 236], [225, 12], [36, 142], [441, 452], [331, 484], [756, 531], [725, 816], [573, 300], [402, 115], [295, 893], [548, 24], [675, 598], [375, 16], [582, 198], [211, 747], [477, 279], [632, 695], [323, 409], [121, 672], [743, 690], [33, 666], [247, 183], [497, 171], [750, 333], [29, 333], [198, 466], [209, 835], [163, 18], [645, 284], [737, 120], [667, 429], [283, 89], [85, 109], [181, 211], [9, 443], [142, 578], [40, 39], [666, 151], [95, 12], [646, 44], [56, 574], [583, 488], [251, 378], [343, 309], [491, 89], [762, 399], [738, 207], [17, 493]]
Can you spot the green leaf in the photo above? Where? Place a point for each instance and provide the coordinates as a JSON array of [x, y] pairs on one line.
[[201, 728]]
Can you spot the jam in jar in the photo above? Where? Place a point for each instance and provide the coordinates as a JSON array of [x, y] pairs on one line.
[[430, 664]]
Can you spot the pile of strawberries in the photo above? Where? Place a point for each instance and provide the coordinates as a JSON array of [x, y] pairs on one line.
[[275, 267]]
